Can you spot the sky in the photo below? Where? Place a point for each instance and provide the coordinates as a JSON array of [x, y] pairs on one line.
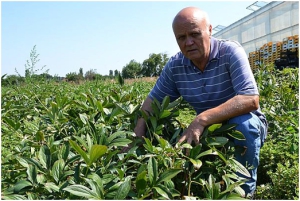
[[96, 35]]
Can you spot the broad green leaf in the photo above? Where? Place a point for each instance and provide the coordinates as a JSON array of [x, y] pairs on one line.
[[44, 156], [50, 186], [81, 191], [187, 146], [163, 143], [148, 145], [12, 123], [153, 122], [133, 108], [237, 135], [168, 174], [34, 162], [152, 171], [73, 159], [95, 188], [189, 198], [221, 155], [83, 118], [235, 197], [164, 114], [225, 127], [39, 136], [80, 151], [22, 161], [121, 173], [216, 141], [141, 181], [165, 102], [96, 152], [82, 142], [95, 177], [161, 192], [213, 127], [196, 163], [111, 192], [115, 135], [123, 189], [239, 167], [57, 169], [66, 174], [90, 99], [144, 115], [32, 174], [120, 142], [21, 185], [106, 111], [64, 152], [13, 197], [89, 142], [205, 153], [195, 151], [174, 103], [41, 178], [175, 135], [115, 112]]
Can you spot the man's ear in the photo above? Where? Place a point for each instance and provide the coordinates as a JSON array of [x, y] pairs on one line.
[[210, 30]]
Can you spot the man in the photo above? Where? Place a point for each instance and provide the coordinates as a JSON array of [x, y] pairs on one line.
[[214, 76]]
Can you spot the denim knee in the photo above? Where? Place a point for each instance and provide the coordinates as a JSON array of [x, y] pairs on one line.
[[253, 130]]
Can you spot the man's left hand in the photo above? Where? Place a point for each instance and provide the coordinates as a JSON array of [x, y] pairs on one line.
[[192, 133]]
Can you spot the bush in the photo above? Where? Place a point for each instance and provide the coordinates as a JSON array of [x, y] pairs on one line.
[[278, 169]]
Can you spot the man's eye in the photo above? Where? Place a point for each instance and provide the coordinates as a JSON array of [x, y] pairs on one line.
[[180, 38], [195, 34]]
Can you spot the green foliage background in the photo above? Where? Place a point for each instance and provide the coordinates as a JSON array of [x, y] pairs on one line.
[[64, 141]]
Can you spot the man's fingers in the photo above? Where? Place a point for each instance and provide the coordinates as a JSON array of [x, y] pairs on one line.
[[189, 140], [182, 139]]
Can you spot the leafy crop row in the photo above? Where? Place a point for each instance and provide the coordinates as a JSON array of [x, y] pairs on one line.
[[64, 141]]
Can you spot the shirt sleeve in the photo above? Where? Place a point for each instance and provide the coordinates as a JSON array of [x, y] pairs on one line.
[[242, 77], [165, 85]]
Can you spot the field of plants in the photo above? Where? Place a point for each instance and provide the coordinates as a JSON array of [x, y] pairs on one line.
[[64, 141]]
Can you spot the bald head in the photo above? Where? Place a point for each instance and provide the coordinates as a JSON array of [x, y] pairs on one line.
[[193, 31], [191, 14]]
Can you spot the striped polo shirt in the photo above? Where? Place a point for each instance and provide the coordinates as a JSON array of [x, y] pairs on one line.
[[226, 75]]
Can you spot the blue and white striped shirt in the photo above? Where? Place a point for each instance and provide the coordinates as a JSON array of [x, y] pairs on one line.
[[226, 75]]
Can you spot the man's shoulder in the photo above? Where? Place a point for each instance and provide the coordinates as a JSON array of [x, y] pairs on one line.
[[176, 59]]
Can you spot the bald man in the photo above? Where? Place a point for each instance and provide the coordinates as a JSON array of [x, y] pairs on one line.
[[215, 78]]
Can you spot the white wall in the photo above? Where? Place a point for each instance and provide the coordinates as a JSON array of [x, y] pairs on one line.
[[271, 23]]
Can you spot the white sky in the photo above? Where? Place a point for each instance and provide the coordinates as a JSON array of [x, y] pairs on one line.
[[96, 35]]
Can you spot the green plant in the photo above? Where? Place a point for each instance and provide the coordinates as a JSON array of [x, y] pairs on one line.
[[64, 142]]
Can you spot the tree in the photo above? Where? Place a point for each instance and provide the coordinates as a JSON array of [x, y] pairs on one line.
[[154, 64], [111, 73], [80, 73], [11, 80], [116, 73], [131, 70], [72, 76], [91, 74]]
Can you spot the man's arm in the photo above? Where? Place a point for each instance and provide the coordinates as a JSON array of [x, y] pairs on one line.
[[238, 105]]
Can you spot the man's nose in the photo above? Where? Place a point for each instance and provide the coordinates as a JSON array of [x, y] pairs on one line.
[[189, 41]]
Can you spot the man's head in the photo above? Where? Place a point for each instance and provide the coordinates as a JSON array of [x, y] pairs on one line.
[[192, 30]]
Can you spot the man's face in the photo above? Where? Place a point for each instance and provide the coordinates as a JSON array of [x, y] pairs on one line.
[[193, 38]]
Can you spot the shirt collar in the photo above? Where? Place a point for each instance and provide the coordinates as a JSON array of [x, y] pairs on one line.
[[214, 50]]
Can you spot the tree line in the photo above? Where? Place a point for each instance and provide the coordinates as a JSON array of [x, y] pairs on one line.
[[150, 67]]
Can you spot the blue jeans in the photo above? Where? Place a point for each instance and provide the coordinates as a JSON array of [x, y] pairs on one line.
[[255, 132]]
